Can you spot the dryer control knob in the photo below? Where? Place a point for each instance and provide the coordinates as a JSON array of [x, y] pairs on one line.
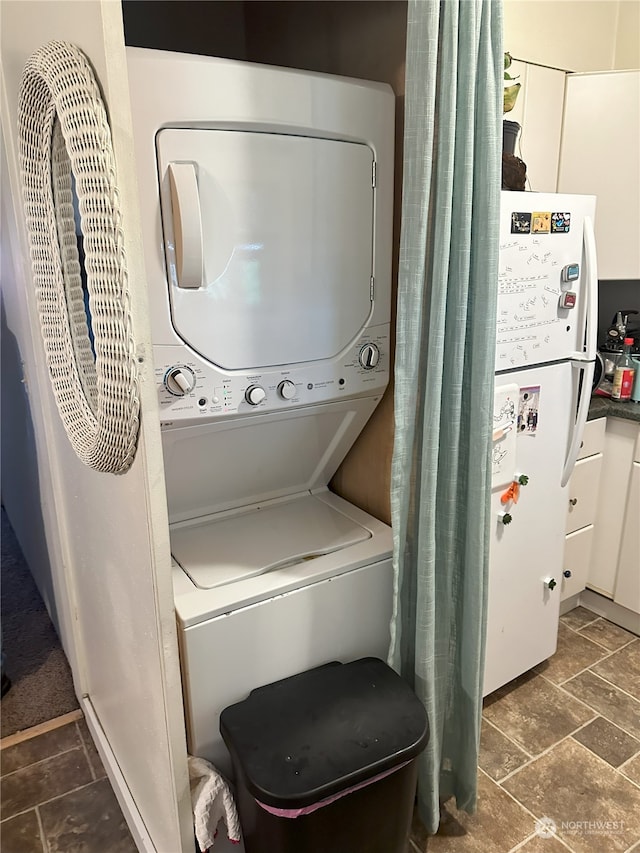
[[179, 381], [369, 356], [287, 390], [255, 394]]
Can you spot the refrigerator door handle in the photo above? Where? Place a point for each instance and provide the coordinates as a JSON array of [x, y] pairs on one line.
[[591, 291], [585, 372]]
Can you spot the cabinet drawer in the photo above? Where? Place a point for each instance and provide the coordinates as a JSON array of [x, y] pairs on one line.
[[577, 551], [582, 493], [592, 438]]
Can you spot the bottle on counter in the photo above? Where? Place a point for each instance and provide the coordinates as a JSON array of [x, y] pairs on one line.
[[624, 373]]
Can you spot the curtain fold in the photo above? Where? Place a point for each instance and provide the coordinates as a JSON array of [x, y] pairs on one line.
[[446, 329]]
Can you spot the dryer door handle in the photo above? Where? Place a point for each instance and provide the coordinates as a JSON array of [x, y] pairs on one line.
[[187, 224]]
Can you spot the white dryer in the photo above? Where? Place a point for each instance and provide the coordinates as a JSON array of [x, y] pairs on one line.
[[266, 196]]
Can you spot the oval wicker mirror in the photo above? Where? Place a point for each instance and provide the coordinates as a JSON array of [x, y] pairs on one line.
[[65, 148]]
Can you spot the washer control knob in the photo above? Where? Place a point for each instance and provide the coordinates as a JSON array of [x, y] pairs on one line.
[[369, 356], [179, 381], [287, 389], [255, 394]]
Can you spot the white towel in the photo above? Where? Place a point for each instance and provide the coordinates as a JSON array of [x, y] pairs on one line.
[[211, 800]]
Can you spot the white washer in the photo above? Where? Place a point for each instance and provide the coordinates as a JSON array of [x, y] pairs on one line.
[[267, 218]]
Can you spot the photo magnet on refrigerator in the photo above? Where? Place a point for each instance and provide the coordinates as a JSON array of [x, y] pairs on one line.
[[560, 223], [520, 223], [541, 222], [528, 410]]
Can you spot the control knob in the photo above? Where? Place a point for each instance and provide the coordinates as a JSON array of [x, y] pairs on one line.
[[369, 356], [287, 389], [179, 381], [255, 394]]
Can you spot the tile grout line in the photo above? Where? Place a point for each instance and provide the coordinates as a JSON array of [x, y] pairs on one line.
[[52, 800], [633, 636], [597, 757], [631, 758], [548, 750], [610, 683], [48, 758], [586, 624], [624, 775], [590, 707], [533, 837], [617, 770], [86, 754], [505, 735], [511, 796], [43, 836], [600, 660]]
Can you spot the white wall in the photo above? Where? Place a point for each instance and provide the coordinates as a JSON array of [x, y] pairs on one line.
[[575, 35], [107, 576]]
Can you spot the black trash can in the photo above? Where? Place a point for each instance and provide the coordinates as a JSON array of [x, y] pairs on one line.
[[325, 761]]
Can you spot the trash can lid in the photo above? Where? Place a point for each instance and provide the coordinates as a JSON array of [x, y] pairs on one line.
[[313, 735]]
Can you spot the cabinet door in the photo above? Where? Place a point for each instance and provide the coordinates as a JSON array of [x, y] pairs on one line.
[[577, 552], [592, 438], [627, 590], [583, 492], [600, 155], [620, 442]]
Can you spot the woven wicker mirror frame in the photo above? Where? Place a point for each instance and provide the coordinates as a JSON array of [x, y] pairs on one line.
[[63, 129]]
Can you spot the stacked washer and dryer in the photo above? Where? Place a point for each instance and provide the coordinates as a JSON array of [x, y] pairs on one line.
[[266, 200]]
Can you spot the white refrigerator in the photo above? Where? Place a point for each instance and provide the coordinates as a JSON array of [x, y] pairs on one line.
[[545, 354]]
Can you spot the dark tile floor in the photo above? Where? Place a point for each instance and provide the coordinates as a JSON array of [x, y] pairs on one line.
[[55, 797], [560, 754], [559, 766]]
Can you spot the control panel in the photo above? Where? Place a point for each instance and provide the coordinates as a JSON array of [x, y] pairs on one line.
[[192, 390]]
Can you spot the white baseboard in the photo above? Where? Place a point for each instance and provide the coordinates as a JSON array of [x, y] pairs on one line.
[[568, 604]]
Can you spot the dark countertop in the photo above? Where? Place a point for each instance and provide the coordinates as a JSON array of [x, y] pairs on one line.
[[605, 407]]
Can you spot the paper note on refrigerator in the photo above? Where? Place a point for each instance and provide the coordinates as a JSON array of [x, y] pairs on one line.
[[505, 413]]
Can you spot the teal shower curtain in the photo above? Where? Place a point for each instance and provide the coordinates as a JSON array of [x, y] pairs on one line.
[[441, 474]]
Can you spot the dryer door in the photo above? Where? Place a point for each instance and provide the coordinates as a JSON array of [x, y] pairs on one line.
[[269, 242]]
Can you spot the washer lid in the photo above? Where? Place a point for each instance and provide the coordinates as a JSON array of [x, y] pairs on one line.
[[241, 545], [269, 243]]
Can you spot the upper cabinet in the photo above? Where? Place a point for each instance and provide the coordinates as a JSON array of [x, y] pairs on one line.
[[600, 155]]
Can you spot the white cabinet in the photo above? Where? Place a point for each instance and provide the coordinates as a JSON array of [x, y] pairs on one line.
[[614, 570], [582, 492], [538, 111], [627, 588], [600, 155]]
